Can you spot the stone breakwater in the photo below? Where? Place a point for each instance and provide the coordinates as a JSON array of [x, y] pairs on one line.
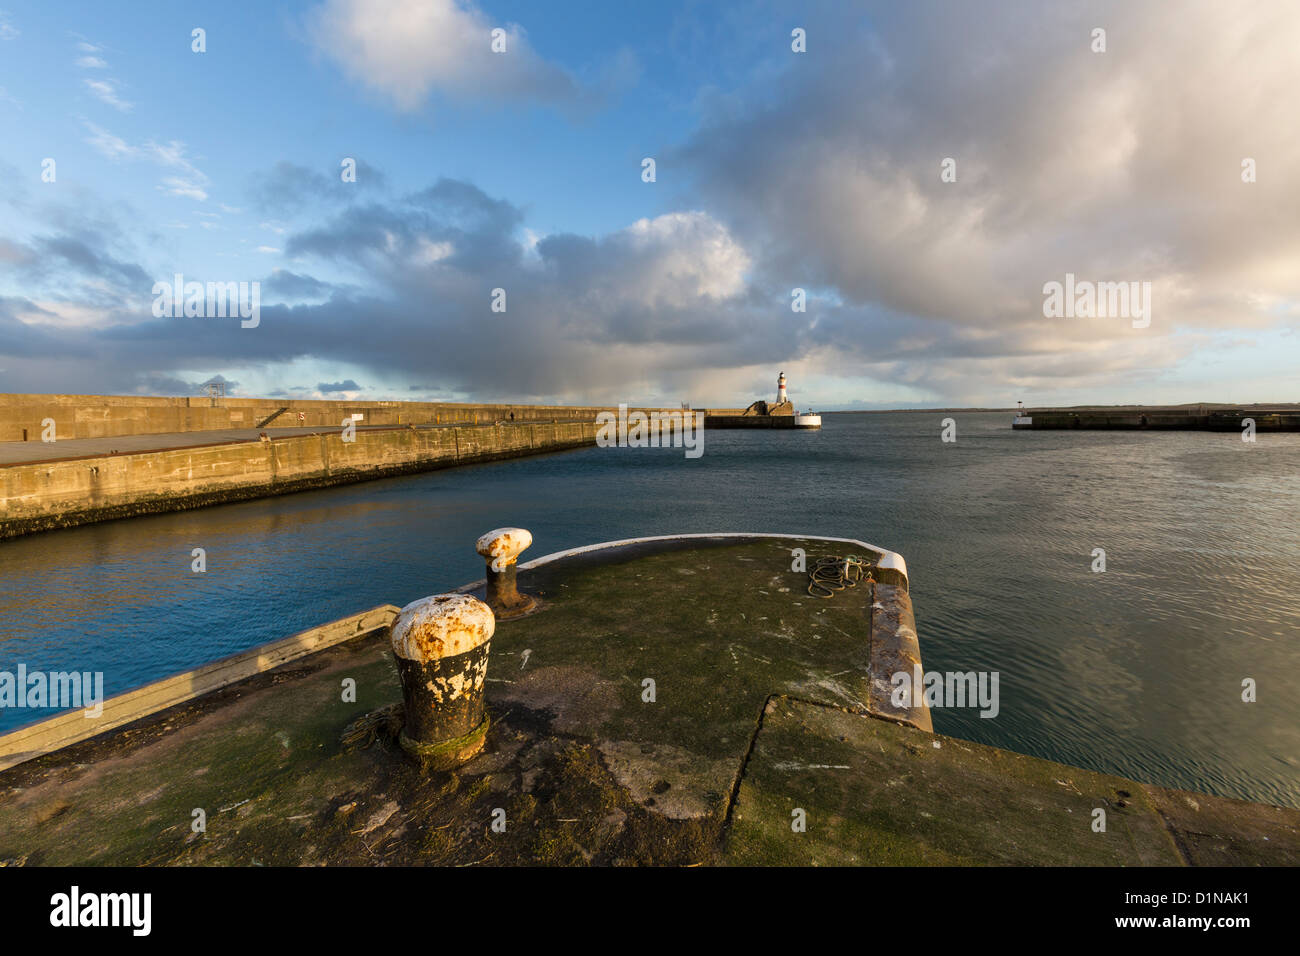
[[42, 495], [1214, 418], [25, 417]]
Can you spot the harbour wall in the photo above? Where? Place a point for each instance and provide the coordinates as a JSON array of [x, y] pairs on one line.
[[23, 416], [1226, 418], [746, 418], [39, 496]]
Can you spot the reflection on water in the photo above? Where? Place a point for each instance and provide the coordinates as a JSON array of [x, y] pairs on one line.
[[1136, 671]]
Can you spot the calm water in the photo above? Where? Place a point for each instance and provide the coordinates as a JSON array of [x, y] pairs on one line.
[[1136, 671]]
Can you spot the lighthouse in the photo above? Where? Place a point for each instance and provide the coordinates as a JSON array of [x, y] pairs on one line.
[[780, 389]]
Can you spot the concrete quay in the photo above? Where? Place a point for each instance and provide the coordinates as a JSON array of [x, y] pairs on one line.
[[26, 417], [675, 701], [1197, 417], [175, 473]]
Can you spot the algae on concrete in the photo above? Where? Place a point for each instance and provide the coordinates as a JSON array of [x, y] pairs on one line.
[[758, 708]]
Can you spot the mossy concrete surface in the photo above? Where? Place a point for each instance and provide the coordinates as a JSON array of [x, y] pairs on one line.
[[668, 705], [824, 787]]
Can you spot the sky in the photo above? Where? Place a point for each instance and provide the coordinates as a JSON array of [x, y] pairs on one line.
[[915, 175]]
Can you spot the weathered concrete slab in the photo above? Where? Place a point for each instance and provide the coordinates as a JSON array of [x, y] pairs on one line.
[[1218, 831], [879, 793]]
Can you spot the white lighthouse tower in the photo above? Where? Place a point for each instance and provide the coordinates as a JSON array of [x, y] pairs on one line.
[[780, 389]]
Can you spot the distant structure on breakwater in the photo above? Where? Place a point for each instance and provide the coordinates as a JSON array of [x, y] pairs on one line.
[[1203, 417], [762, 414]]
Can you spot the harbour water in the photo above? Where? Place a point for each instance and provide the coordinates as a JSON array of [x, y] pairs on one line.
[[1136, 670]]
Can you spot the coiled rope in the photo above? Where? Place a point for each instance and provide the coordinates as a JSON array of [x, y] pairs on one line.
[[836, 573]]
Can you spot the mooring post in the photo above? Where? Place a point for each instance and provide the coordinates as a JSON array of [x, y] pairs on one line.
[[441, 645], [501, 548]]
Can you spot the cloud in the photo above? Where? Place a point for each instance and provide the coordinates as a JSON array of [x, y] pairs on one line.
[[87, 260], [110, 146], [92, 63], [409, 49], [80, 274], [345, 386], [7, 30], [580, 313], [819, 171], [180, 186], [189, 181], [287, 187], [291, 285], [1123, 165], [106, 92]]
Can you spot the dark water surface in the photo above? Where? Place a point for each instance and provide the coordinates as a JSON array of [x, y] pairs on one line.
[[1136, 671]]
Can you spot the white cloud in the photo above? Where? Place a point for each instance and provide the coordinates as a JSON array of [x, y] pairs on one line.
[[675, 261], [407, 49], [106, 91], [178, 186], [92, 63], [429, 252], [189, 181], [7, 30], [109, 145], [1116, 166]]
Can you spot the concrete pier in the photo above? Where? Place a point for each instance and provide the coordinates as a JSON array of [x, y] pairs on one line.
[[25, 418], [62, 493], [1225, 418], [677, 701]]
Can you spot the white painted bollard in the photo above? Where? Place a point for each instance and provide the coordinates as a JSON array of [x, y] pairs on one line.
[[441, 644], [502, 548]]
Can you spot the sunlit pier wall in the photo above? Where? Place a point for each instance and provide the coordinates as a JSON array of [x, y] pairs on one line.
[[104, 416]]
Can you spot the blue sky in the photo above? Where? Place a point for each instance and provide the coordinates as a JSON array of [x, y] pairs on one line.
[[775, 169]]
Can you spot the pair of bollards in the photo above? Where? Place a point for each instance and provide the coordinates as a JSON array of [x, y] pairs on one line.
[[441, 644]]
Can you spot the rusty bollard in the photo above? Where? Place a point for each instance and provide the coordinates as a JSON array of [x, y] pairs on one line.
[[441, 644], [502, 548]]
